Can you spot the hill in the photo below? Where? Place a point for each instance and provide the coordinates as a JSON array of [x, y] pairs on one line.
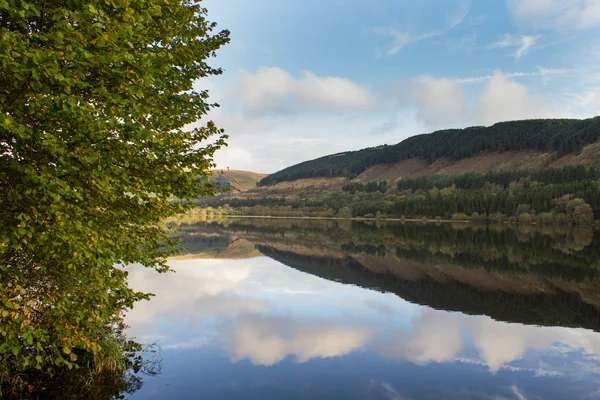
[[237, 181], [510, 145], [526, 172]]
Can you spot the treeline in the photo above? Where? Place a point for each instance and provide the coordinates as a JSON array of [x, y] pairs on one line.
[[242, 202], [569, 173], [370, 187], [568, 195], [561, 135]]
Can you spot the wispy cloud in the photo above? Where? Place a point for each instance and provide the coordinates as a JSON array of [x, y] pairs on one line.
[[516, 392], [556, 14], [402, 38], [522, 43], [526, 43], [543, 369], [541, 72]]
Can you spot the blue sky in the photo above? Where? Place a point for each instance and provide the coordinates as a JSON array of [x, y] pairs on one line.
[[309, 78]]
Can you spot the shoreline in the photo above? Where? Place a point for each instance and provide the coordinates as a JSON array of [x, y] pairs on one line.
[[423, 220]]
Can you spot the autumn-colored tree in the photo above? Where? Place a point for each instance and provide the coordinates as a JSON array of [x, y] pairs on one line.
[[96, 101]]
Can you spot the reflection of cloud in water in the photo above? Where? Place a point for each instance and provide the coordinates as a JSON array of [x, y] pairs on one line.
[[268, 340], [436, 337], [191, 292], [439, 336], [502, 343], [516, 392], [262, 311], [386, 390]]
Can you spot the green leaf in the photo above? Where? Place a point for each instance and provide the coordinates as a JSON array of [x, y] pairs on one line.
[[88, 141]]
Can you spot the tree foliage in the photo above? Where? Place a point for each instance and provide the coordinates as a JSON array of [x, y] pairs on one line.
[[370, 187], [545, 196], [96, 101]]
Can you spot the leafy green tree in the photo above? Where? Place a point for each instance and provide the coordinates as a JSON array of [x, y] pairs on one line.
[[96, 104], [523, 209], [583, 215], [344, 212], [573, 204]]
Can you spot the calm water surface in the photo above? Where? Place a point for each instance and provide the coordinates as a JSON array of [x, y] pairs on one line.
[[292, 310]]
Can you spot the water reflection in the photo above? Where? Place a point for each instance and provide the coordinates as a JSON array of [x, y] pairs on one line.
[[247, 305], [265, 325], [255, 328]]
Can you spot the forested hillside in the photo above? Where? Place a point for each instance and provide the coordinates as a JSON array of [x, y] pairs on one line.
[[563, 136], [564, 196]]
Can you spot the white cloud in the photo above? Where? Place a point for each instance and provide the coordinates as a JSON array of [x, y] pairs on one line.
[[240, 124], [582, 98], [268, 340], [593, 98], [274, 91], [294, 140], [522, 43], [440, 102], [443, 102], [503, 100], [590, 98], [236, 157], [561, 14], [266, 139]]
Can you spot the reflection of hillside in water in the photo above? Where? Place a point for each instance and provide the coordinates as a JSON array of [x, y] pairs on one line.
[[542, 277]]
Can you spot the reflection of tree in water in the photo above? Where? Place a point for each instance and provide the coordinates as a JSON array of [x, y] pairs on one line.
[[535, 276], [582, 238], [560, 308], [111, 374], [565, 253], [62, 334]]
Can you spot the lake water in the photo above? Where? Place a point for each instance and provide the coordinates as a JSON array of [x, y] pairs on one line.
[[291, 309]]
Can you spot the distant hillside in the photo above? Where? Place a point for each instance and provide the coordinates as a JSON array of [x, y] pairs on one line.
[[236, 181], [554, 140]]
